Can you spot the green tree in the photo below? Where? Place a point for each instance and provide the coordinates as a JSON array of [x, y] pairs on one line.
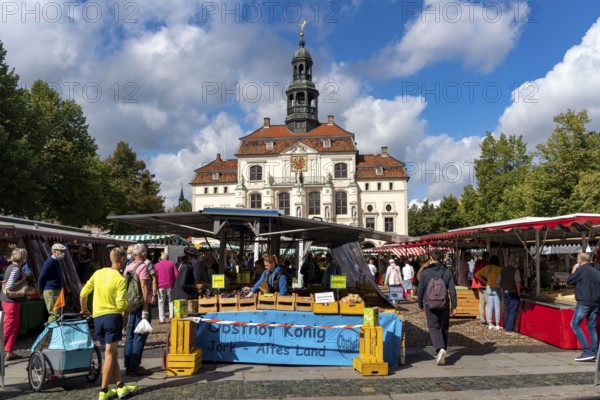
[[131, 187], [184, 206], [17, 175], [569, 155], [448, 215], [68, 157]]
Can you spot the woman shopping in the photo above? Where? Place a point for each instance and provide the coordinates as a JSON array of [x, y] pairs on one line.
[[488, 275], [14, 276]]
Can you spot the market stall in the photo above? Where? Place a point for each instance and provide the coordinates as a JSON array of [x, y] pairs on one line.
[[246, 228], [85, 249], [547, 304]]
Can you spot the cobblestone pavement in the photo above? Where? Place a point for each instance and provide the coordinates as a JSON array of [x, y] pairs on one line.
[[469, 342]]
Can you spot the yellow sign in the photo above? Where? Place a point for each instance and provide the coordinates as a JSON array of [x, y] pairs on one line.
[[218, 281], [338, 282], [243, 277]]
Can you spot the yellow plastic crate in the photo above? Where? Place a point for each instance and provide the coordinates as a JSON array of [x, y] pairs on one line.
[[180, 308], [208, 305], [247, 304], [267, 301], [182, 337], [304, 303], [184, 364], [326, 308], [370, 369], [352, 308], [228, 303]]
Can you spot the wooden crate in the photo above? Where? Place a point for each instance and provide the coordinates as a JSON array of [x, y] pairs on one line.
[[467, 303], [267, 301], [182, 337], [286, 303], [192, 306], [370, 369], [370, 345], [228, 303], [247, 304], [304, 303], [352, 308], [184, 364], [208, 305], [326, 308]]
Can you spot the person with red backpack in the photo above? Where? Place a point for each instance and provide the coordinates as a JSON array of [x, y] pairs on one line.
[[435, 283]]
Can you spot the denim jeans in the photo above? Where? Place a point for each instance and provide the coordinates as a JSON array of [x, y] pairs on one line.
[[511, 304], [588, 312], [493, 303], [134, 342]]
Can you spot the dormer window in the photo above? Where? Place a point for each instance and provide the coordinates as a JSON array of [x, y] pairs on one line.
[[379, 171], [269, 145], [327, 143], [215, 176]]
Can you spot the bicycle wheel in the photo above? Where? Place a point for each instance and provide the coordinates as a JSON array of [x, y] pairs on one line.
[[95, 366], [36, 371]]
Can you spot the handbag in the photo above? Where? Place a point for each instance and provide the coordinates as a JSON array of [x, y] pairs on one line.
[[19, 289]]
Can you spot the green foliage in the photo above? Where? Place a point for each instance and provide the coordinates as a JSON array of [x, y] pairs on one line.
[[51, 169], [131, 188]]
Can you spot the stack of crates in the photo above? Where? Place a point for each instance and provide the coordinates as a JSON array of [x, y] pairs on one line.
[[370, 357], [183, 357]]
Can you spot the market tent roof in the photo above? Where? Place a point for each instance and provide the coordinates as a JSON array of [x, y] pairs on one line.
[[261, 223], [563, 229], [11, 226], [158, 239]]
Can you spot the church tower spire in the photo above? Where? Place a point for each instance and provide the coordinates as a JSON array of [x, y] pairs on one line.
[[302, 94]]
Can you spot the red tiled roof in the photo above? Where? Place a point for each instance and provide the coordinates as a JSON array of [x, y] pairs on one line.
[[366, 165], [256, 147], [282, 132], [227, 172]]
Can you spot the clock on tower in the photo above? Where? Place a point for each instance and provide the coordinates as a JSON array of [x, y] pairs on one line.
[[299, 163]]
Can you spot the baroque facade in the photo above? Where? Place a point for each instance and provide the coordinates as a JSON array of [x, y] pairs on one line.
[[307, 169]]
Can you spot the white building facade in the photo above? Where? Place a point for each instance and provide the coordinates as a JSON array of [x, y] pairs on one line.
[[307, 169]]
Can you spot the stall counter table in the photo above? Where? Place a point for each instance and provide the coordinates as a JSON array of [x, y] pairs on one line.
[[293, 338], [32, 314], [550, 322]]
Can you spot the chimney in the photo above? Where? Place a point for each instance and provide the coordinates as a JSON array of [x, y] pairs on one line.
[[218, 157], [330, 120], [267, 122], [384, 152]]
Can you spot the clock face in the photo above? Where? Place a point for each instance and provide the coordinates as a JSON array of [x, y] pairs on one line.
[[299, 164]]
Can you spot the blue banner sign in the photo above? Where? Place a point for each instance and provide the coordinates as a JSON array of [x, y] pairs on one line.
[[291, 345]]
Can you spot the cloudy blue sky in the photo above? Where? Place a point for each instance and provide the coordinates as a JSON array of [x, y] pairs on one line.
[[182, 81]]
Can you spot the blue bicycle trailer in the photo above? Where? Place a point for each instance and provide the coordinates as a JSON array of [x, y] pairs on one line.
[[64, 349]]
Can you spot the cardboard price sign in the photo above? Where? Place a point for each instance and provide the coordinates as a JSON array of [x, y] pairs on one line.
[[323, 298], [338, 281], [218, 281]]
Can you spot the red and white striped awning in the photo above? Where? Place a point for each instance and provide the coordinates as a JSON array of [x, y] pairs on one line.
[[405, 249]]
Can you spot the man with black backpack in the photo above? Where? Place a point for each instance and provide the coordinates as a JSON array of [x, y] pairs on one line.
[[435, 283]]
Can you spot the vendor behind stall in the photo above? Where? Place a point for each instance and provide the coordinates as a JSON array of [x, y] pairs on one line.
[[274, 277], [332, 269]]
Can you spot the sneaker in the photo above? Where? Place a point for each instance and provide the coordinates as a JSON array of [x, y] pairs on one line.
[[109, 394], [484, 323], [126, 390], [584, 357], [498, 327], [490, 326], [441, 357]]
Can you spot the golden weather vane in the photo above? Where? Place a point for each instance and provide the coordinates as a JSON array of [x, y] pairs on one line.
[[302, 25]]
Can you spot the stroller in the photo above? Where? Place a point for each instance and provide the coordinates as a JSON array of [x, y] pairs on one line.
[[64, 350]]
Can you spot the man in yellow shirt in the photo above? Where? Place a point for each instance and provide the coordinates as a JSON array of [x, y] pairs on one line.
[[109, 303]]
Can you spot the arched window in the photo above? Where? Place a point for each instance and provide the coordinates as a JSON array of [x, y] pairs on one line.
[[314, 203], [283, 203], [256, 173], [340, 170], [341, 203], [255, 200]]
